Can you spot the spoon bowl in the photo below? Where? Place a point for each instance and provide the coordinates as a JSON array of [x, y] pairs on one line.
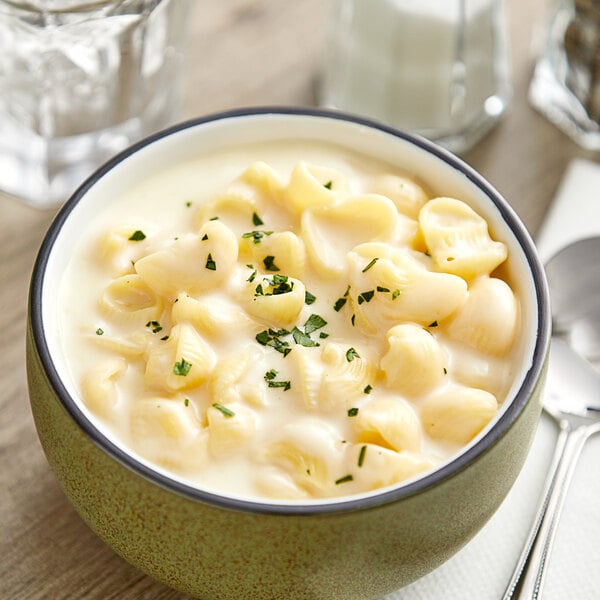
[[574, 279], [572, 398]]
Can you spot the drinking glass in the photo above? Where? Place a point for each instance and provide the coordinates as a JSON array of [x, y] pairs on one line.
[[440, 69], [566, 83], [80, 81]]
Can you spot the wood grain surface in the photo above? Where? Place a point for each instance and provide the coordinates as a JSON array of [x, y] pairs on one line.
[[241, 53]]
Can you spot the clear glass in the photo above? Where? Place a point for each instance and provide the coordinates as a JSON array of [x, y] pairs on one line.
[[439, 69], [566, 83], [80, 81]]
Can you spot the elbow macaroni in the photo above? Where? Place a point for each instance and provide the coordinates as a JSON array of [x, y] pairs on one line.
[[315, 336]]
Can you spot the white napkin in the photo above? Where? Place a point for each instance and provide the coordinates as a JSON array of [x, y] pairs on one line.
[[481, 570]]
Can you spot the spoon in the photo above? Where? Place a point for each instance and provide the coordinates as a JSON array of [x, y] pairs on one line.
[[572, 398]]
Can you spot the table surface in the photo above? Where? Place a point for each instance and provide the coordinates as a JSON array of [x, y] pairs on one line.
[[241, 53]]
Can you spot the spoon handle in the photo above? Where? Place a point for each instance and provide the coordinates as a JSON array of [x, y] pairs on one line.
[[549, 487], [545, 540], [534, 558]]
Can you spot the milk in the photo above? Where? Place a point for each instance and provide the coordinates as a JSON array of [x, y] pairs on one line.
[[435, 68]]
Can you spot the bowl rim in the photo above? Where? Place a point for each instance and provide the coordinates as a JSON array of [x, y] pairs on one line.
[[330, 506]]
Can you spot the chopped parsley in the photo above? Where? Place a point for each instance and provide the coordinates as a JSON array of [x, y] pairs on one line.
[[370, 264], [164, 338], [445, 371], [214, 219], [323, 335], [182, 367], [433, 324], [252, 276], [256, 236], [328, 185], [395, 294], [352, 320], [313, 323], [186, 402], [279, 284], [204, 237], [366, 296], [154, 325], [256, 220], [351, 354], [272, 338], [309, 298], [344, 479], [137, 236], [382, 289], [99, 331], [302, 338], [361, 455], [368, 389], [227, 413], [270, 379], [188, 203], [211, 265], [352, 412], [269, 262], [339, 303]]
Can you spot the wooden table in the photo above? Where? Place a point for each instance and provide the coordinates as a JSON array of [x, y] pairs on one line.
[[242, 53]]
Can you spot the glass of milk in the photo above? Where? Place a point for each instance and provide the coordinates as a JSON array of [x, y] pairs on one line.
[[439, 68]]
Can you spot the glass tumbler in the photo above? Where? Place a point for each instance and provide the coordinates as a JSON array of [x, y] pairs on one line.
[[566, 83], [79, 81], [437, 68]]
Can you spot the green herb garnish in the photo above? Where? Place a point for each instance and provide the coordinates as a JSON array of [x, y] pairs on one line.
[[395, 294], [339, 303], [211, 265], [368, 389], [256, 236], [154, 325], [366, 296], [352, 412], [186, 402], [309, 298], [137, 236], [270, 379], [328, 185], [370, 264], [351, 354], [313, 323], [226, 411], [433, 324], [272, 338], [269, 262], [99, 331], [182, 367], [204, 237], [382, 289], [344, 479], [302, 338], [361, 455], [256, 220]]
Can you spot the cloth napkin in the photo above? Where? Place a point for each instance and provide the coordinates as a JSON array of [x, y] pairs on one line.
[[482, 569]]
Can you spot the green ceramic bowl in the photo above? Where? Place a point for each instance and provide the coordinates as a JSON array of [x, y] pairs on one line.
[[213, 546]]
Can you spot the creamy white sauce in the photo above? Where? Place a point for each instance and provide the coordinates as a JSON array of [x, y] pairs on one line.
[[165, 207]]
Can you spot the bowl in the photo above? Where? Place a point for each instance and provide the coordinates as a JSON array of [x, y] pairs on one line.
[[217, 545]]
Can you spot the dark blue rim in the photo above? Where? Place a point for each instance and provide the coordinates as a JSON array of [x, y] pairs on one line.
[[350, 504]]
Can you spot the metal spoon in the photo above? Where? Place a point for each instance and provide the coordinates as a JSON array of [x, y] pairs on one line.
[[572, 398]]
